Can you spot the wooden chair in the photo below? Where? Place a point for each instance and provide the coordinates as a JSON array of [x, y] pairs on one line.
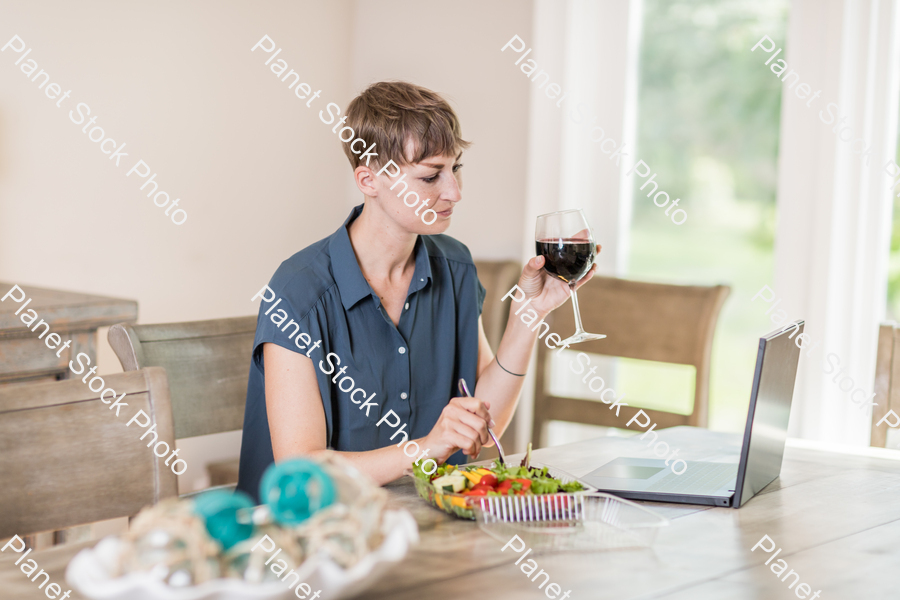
[[887, 381], [207, 362], [497, 277], [208, 365], [649, 321], [66, 459]]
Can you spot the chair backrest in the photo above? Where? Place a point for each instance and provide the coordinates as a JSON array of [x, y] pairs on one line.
[[66, 459], [207, 363], [497, 277], [649, 321], [887, 381]]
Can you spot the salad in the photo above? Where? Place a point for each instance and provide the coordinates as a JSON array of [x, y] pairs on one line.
[[499, 480], [455, 489]]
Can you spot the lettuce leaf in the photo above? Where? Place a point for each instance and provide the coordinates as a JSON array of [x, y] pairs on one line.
[[441, 470], [544, 485], [572, 486]]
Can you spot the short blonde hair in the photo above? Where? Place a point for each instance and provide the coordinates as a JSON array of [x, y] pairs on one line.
[[392, 114]]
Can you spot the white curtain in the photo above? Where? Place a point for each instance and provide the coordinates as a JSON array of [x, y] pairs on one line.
[[591, 49], [834, 212]]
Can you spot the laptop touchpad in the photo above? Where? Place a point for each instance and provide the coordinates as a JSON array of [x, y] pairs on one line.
[[622, 470], [652, 475]]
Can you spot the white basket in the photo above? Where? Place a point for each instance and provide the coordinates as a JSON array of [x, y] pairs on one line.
[[562, 522]]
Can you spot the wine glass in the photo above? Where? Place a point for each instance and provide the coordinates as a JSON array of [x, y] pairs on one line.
[[566, 242]]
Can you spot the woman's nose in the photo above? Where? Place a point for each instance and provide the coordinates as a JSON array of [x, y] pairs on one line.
[[452, 191]]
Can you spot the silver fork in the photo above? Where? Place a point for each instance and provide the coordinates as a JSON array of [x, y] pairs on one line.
[[465, 391]]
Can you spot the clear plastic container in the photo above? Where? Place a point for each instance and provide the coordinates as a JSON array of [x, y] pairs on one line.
[[562, 522], [463, 506]]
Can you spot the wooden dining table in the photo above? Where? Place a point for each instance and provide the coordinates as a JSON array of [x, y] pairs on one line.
[[25, 355], [834, 512]]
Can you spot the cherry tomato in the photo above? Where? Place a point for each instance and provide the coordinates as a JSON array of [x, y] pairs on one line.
[[489, 480], [507, 485], [476, 491]]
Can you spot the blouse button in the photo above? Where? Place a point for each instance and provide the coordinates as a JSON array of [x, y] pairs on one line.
[[403, 396], [402, 350], [407, 306]]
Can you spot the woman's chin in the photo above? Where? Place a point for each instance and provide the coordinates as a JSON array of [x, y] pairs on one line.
[[418, 226], [439, 226]]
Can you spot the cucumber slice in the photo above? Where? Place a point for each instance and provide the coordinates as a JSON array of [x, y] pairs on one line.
[[454, 482]]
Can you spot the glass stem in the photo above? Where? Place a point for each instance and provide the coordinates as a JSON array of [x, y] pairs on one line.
[[578, 327]]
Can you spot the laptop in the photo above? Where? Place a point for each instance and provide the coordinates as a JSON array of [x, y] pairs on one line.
[[730, 483]]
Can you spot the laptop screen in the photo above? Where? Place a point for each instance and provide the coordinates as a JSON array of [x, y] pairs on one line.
[[769, 412]]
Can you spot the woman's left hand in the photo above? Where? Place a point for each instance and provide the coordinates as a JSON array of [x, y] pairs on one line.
[[546, 291]]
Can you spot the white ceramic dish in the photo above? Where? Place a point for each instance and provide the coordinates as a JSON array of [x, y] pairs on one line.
[[90, 570]]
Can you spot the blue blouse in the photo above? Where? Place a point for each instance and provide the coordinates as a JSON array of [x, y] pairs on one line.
[[322, 307]]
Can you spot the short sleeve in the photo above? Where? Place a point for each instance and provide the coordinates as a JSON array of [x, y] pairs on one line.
[[298, 333], [480, 293], [282, 326]]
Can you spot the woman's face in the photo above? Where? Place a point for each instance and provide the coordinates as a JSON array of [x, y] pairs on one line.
[[435, 184]]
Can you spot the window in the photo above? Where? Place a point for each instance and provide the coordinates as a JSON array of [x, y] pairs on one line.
[[893, 286], [708, 125]]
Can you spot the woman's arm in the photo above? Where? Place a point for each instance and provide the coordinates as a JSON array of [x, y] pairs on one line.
[[514, 353], [297, 420]]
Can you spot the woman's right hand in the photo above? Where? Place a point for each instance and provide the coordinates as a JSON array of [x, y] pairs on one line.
[[463, 425]]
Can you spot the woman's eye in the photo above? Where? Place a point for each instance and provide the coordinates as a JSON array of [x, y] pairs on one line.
[[457, 167], [431, 179]]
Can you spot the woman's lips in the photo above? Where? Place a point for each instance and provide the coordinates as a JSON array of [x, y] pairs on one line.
[[446, 213]]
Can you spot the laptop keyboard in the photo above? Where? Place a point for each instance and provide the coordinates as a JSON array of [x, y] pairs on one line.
[[700, 479]]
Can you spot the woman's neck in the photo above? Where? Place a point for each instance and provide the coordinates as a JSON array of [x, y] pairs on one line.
[[383, 250]]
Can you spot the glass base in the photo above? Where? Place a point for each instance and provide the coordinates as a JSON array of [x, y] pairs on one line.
[[582, 337]]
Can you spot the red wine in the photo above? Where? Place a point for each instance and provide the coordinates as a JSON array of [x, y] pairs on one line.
[[566, 258]]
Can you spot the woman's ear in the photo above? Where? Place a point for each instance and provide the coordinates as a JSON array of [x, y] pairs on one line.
[[366, 181]]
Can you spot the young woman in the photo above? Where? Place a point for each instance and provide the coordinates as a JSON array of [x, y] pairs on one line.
[[377, 322]]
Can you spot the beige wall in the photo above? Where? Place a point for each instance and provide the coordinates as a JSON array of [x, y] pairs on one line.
[[259, 176], [257, 172]]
